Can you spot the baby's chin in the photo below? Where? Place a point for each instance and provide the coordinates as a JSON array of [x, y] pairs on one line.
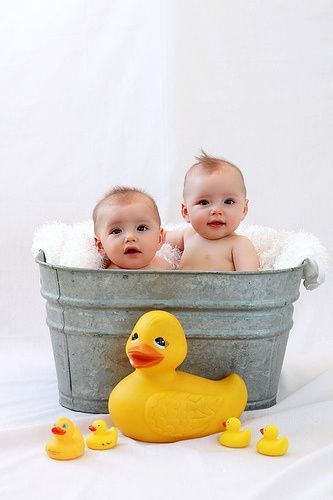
[[215, 234], [132, 263]]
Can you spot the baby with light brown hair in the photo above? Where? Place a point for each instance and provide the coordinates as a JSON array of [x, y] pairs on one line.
[[128, 230], [215, 203]]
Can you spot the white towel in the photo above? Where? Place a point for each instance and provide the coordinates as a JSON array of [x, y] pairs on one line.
[[73, 246], [285, 249]]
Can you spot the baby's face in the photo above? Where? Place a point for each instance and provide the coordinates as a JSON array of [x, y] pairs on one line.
[[215, 203], [129, 233]]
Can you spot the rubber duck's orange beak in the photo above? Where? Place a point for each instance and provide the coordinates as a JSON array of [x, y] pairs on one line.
[[58, 430], [143, 356], [262, 431], [92, 428]]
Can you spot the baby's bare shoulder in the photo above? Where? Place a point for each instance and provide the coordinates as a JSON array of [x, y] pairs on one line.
[[189, 232], [239, 239], [244, 254]]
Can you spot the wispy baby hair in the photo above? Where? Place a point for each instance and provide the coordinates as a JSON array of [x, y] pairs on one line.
[[210, 164], [126, 194]]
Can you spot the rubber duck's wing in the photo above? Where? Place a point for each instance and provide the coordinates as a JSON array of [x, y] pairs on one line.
[[283, 444], [182, 414], [112, 434]]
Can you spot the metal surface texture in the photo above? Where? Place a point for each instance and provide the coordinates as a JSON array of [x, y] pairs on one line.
[[234, 322]]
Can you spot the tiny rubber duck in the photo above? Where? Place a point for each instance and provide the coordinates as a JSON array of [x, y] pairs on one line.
[[67, 443], [101, 438], [159, 404], [233, 437], [270, 444]]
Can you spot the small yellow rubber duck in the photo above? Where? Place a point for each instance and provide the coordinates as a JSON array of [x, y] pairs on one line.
[[158, 404], [233, 437], [270, 444], [101, 438], [67, 443]]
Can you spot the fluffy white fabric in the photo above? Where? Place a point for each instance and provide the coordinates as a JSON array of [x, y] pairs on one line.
[[285, 249], [73, 246]]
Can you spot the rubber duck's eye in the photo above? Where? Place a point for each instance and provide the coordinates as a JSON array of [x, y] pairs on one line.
[[64, 426], [160, 342], [99, 425], [134, 337]]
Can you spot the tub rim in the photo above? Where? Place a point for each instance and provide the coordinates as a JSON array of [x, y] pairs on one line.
[[40, 259]]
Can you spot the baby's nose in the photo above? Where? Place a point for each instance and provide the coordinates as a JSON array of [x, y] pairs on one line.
[[216, 209], [130, 237]]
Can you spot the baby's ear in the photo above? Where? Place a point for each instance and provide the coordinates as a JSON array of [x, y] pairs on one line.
[[99, 246], [162, 237], [246, 208], [185, 213]]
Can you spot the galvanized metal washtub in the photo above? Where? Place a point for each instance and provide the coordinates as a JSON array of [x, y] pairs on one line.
[[234, 322]]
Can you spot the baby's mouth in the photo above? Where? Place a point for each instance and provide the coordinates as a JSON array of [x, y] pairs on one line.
[[131, 251], [216, 223]]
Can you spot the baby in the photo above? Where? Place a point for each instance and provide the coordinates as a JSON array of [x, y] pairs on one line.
[[214, 204], [128, 230]]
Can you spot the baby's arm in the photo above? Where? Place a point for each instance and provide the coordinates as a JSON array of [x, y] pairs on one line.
[[244, 255], [175, 238]]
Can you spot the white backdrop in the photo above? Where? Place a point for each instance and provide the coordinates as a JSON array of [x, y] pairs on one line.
[[108, 92], [105, 92]]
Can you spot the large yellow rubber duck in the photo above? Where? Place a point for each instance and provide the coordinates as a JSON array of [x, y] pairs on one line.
[[156, 403], [233, 437], [101, 438], [270, 444], [67, 443]]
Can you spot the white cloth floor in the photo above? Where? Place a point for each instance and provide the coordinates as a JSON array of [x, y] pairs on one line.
[[95, 94], [189, 469]]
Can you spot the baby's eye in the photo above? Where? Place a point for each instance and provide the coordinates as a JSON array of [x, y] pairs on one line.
[[116, 230], [134, 337], [142, 228], [160, 342], [203, 202], [229, 201]]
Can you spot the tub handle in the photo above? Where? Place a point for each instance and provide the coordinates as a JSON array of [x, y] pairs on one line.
[[312, 278], [40, 257]]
